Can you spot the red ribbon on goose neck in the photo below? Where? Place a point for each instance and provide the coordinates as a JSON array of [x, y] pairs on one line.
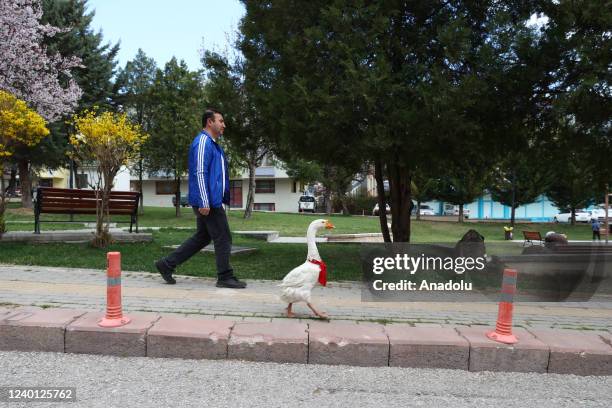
[[322, 271]]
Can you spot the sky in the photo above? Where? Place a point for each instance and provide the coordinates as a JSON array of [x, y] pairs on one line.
[[166, 28]]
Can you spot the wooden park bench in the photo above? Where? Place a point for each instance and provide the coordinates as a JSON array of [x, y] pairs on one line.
[[71, 201], [531, 236], [579, 249]]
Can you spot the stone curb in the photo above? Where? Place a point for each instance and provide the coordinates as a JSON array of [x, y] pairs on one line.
[[366, 344]]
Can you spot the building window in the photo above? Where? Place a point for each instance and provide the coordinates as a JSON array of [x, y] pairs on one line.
[[45, 182], [81, 181], [264, 186], [235, 193], [264, 207], [165, 187]]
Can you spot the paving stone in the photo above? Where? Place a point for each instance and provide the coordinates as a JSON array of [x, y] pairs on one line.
[[606, 337], [576, 352], [427, 347], [33, 329], [280, 342], [86, 337], [333, 343], [528, 355], [189, 337], [256, 319]]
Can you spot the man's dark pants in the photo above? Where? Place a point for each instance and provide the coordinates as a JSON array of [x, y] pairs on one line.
[[213, 227]]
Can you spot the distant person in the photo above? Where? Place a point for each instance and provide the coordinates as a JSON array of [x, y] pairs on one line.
[[555, 238], [208, 191], [596, 227]]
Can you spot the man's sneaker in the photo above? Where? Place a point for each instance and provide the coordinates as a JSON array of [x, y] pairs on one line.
[[231, 283], [165, 272]]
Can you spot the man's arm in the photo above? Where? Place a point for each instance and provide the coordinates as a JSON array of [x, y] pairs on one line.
[[203, 159]]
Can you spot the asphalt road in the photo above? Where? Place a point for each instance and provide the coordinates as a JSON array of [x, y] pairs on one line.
[[103, 381]]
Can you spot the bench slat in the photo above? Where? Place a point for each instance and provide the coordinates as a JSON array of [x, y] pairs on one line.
[[51, 200], [83, 211], [85, 204]]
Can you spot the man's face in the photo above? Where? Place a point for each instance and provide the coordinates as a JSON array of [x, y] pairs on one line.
[[217, 125]]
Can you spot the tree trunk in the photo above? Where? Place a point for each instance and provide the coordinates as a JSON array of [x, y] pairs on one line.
[[512, 215], [26, 183], [328, 201], [12, 181], [573, 220], [141, 204], [250, 204], [177, 194], [345, 210], [461, 213], [418, 210], [382, 203], [2, 201], [401, 200], [103, 237]]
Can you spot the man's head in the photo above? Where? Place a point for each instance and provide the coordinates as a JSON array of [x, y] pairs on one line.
[[213, 123]]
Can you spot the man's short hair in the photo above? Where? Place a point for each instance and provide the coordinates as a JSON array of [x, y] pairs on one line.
[[209, 113]]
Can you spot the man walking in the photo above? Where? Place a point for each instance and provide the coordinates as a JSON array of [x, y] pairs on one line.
[[208, 191], [595, 226]]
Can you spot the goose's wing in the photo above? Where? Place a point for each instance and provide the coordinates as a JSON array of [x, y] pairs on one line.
[[305, 273]]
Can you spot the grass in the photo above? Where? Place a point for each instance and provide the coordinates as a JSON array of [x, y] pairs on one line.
[[296, 224], [271, 261]]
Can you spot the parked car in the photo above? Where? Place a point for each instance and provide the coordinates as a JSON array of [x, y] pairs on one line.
[[581, 216], [599, 212], [426, 210], [375, 209], [453, 210], [184, 201], [306, 203], [15, 193]]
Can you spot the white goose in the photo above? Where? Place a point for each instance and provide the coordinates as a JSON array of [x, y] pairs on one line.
[[298, 283]]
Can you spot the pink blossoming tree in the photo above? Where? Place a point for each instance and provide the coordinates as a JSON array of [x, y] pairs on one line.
[[27, 70]]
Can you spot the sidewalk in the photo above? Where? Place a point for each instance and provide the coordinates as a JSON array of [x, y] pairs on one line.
[[332, 343], [195, 320], [142, 291]]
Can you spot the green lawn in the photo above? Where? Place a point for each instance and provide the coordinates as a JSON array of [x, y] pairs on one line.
[[296, 224], [272, 261]]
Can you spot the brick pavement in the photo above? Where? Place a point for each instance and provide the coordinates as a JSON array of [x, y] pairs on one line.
[[143, 291]]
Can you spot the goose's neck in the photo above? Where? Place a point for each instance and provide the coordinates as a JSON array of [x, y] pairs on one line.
[[313, 253]]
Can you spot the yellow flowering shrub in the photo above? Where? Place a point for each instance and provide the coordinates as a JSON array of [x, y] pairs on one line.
[[107, 138], [109, 141], [18, 124]]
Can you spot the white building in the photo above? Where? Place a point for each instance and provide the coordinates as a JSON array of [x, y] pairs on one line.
[[274, 190]]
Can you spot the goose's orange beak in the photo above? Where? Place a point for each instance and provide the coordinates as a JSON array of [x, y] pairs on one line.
[[329, 225]]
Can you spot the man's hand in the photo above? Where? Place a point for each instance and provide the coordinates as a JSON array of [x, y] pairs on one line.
[[204, 211]]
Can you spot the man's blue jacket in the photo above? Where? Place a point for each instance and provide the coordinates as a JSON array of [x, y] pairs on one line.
[[208, 173]]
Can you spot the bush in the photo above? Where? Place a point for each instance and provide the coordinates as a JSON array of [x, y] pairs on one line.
[[357, 205]]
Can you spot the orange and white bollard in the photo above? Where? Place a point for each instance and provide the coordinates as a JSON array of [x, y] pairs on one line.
[[114, 314], [503, 328]]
